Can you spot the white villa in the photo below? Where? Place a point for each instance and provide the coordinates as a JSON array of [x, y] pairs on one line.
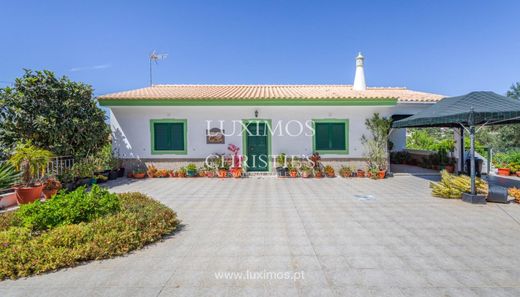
[[187, 123]]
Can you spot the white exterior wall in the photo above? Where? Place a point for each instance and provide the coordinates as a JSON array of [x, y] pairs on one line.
[[132, 136]]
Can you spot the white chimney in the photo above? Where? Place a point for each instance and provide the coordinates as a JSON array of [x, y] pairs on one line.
[[359, 79]]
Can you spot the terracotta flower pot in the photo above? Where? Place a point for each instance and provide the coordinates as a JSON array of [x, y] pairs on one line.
[[293, 173], [360, 173], [237, 173], [330, 174], [181, 174], [222, 173], [504, 171], [306, 174], [210, 174], [319, 174], [26, 195], [138, 175], [381, 174], [49, 193]]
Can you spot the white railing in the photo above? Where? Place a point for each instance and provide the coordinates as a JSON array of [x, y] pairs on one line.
[[59, 164]]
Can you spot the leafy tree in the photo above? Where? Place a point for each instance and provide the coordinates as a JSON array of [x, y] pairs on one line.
[[53, 113], [507, 137], [514, 91]]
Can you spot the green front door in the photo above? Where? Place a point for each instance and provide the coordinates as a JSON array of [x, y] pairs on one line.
[[257, 146]]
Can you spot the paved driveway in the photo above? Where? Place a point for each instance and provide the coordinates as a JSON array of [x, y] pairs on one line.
[[331, 237]]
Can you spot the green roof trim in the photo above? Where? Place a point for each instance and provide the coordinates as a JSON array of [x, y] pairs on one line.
[[249, 102]]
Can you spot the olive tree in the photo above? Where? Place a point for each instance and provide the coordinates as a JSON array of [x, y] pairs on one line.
[[53, 113]]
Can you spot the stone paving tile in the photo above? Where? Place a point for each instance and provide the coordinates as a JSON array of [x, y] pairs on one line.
[[402, 242]]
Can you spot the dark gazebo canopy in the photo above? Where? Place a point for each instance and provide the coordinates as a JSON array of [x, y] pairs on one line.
[[470, 110], [488, 108]]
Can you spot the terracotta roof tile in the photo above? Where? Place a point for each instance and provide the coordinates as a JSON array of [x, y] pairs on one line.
[[272, 92]]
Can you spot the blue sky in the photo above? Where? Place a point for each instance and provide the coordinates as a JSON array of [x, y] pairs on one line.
[[446, 47]]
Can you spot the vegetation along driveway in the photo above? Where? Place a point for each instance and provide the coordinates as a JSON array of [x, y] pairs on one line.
[[297, 237]]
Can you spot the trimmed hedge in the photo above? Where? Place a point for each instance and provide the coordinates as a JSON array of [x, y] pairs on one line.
[[139, 221], [69, 208]]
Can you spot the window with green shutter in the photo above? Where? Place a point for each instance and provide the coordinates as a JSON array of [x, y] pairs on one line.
[[168, 136], [330, 136]]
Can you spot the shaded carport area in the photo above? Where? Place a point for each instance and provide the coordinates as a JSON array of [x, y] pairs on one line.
[[468, 112]]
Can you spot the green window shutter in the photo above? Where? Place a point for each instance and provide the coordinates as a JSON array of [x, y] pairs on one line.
[[337, 136], [178, 137], [322, 136], [163, 136], [168, 136], [330, 136]]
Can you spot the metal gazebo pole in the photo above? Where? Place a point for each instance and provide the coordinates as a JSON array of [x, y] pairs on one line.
[[472, 150]]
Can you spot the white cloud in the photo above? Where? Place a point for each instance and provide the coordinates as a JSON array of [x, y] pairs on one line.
[[94, 67]]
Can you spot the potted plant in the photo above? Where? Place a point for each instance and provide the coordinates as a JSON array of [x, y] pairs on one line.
[[318, 173], [51, 186], [515, 193], [191, 170], [450, 165], [293, 172], [223, 167], [360, 173], [514, 168], [329, 171], [236, 172], [282, 169], [151, 170], [345, 171], [162, 173], [138, 173], [181, 172], [32, 163], [83, 171], [504, 170], [376, 146], [100, 179], [306, 171], [373, 172], [381, 173]]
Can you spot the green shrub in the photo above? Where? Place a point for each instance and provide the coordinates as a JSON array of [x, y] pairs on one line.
[[68, 208], [140, 221]]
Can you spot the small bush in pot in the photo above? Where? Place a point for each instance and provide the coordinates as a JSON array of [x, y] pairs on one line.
[[318, 173], [191, 170], [345, 171], [181, 172], [138, 173], [100, 179], [306, 171], [293, 172], [51, 186], [282, 169], [151, 170], [329, 171], [162, 173], [32, 163]]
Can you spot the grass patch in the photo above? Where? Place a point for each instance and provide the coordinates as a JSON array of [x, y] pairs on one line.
[[38, 238]]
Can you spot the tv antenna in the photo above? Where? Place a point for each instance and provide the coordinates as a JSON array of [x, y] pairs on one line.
[[154, 57]]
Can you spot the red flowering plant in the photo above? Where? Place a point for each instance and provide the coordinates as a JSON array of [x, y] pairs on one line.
[[236, 161], [315, 160]]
